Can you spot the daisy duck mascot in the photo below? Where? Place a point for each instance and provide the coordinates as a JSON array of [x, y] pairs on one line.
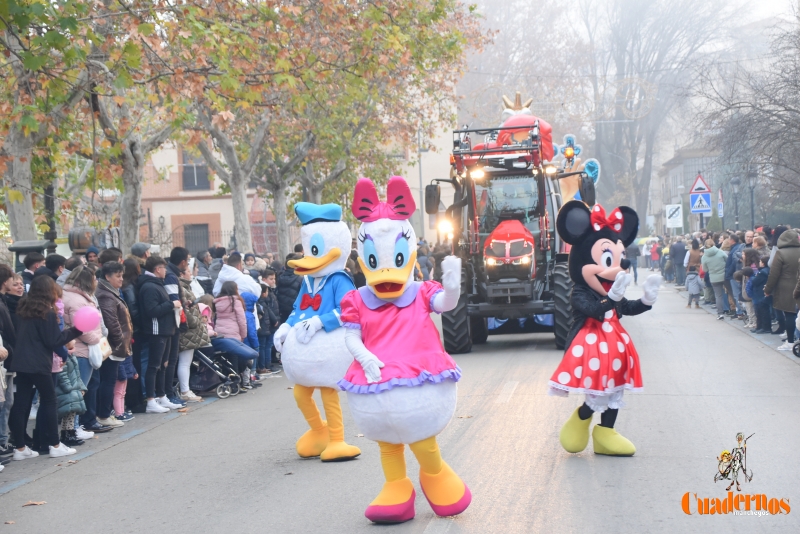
[[401, 388], [311, 341], [600, 360]]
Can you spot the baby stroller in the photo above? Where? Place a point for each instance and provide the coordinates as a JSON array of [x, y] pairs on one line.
[[206, 374]]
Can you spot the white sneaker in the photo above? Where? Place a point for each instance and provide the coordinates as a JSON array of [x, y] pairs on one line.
[[189, 396], [83, 434], [154, 407], [164, 401], [25, 454], [786, 346], [110, 421], [61, 450], [784, 336]]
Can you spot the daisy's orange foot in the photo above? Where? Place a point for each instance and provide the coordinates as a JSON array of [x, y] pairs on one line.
[[446, 492], [394, 504], [339, 451], [313, 442]]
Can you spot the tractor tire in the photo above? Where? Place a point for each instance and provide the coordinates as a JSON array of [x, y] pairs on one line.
[[480, 330], [456, 328], [562, 319]]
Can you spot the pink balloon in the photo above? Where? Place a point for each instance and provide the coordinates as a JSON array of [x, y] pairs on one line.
[[86, 319]]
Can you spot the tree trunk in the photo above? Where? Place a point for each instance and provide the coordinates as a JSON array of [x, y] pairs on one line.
[[18, 177], [281, 221], [241, 219], [315, 193], [131, 204]]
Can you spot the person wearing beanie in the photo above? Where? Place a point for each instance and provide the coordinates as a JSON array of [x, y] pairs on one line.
[[91, 254]]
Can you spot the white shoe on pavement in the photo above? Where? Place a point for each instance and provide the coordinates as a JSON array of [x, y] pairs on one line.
[[189, 396], [24, 454], [784, 336], [61, 450], [164, 401], [786, 346], [110, 421], [154, 407], [83, 434]]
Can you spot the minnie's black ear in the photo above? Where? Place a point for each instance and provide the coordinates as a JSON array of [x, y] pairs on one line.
[[574, 221], [630, 225]]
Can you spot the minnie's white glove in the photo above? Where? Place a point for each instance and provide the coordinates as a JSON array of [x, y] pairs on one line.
[[451, 282], [621, 283], [650, 288], [369, 362], [305, 330], [280, 336]]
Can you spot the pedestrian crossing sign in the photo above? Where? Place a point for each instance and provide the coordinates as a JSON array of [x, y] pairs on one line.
[[701, 203]]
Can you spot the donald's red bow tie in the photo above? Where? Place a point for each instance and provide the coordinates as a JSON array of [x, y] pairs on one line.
[[310, 302], [612, 222]]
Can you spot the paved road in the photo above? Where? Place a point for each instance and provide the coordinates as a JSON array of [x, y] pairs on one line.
[[230, 465]]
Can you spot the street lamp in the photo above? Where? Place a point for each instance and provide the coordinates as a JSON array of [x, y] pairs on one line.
[[752, 178], [736, 182], [681, 189]]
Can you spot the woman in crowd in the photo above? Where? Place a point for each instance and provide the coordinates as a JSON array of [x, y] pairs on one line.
[[9, 337], [195, 336], [118, 322], [230, 325], [79, 291], [694, 257], [781, 284], [713, 263], [134, 393], [38, 336], [158, 323], [760, 246]]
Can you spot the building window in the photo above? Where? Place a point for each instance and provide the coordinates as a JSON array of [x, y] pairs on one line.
[[194, 173]]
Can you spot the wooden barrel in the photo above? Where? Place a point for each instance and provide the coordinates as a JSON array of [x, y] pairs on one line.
[[82, 237]]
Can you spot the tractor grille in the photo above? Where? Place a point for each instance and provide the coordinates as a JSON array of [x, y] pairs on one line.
[[509, 292], [497, 249]]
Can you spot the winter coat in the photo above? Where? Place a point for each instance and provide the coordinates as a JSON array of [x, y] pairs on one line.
[[155, 307], [69, 389], [204, 278], [44, 271], [250, 300], [243, 281], [633, 252], [230, 321], [693, 284], [714, 264], [677, 252], [196, 335], [7, 331], [126, 370], [129, 294], [270, 313], [734, 261], [117, 320], [757, 285], [288, 287], [763, 252], [587, 303], [173, 287], [695, 258], [783, 273], [213, 272], [37, 339], [27, 278], [75, 299]]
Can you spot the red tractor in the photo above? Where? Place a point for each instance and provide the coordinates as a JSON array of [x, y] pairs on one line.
[[507, 195]]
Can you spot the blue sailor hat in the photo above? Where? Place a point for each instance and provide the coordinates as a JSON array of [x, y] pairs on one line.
[[309, 213]]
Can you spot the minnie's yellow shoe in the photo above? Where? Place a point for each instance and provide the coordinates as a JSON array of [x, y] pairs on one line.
[[394, 504], [313, 442], [609, 442], [574, 434], [445, 491], [339, 451]]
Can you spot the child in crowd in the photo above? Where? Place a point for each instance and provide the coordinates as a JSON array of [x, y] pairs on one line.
[[251, 340], [743, 277], [693, 286], [270, 280], [760, 301], [125, 371], [69, 387], [268, 321]]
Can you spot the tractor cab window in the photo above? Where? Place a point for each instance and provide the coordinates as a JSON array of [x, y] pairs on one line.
[[504, 198]]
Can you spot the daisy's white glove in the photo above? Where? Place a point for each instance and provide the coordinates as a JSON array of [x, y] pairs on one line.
[[621, 283], [650, 288], [305, 330], [451, 282], [280, 336], [369, 362]]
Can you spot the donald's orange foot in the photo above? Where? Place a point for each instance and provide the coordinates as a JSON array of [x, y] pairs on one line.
[[446, 492], [313, 442], [394, 504], [339, 451]]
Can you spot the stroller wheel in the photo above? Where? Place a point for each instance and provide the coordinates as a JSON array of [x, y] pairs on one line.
[[223, 391], [796, 349], [234, 389]]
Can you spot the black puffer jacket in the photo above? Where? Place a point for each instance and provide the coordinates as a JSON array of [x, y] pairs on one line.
[[288, 287], [129, 294], [587, 303], [157, 317]]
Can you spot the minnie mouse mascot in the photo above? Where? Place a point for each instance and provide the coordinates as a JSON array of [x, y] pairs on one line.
[[600, 361]]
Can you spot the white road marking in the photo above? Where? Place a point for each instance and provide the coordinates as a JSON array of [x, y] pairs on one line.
[[439, 525], [506, 392]]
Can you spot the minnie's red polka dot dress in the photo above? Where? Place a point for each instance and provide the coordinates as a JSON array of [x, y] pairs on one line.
[[600, 361]]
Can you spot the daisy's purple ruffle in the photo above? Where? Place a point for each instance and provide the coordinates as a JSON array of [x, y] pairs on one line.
[[424, 376], [355, 326], [433, 297]]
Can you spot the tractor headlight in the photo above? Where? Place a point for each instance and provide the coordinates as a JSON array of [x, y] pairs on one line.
[[491, 262], [524, 260]]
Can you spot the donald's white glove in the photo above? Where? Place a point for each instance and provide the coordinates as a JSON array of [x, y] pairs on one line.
[[280, 336], [650, 288], [621, 283], [305, 330], [369, 362], [451, 282]]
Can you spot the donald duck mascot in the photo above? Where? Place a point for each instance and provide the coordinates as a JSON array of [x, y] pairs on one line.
[[401, 388], [311, 342]]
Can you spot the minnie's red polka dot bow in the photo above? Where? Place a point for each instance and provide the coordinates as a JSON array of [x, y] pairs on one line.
[[612, 222]]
